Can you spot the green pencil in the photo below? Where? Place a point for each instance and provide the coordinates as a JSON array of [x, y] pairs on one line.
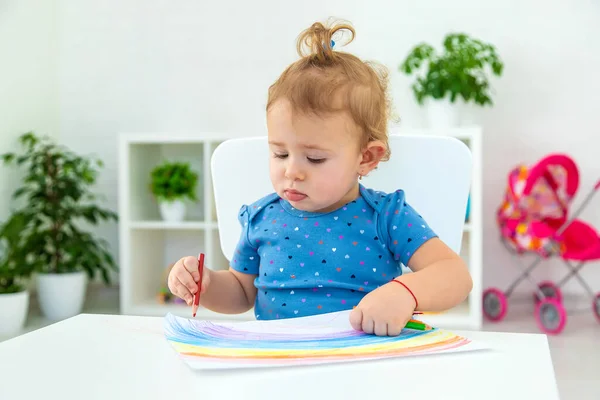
[[417, 325]]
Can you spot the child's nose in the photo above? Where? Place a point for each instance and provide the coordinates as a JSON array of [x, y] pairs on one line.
[[294, 172]]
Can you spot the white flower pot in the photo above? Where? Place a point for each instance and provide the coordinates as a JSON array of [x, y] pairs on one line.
[[61, 295], [442, 114], [172, 211], [13, 312]]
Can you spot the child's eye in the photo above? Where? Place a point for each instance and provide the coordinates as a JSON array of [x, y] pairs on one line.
[[279, 155], [316, 160]]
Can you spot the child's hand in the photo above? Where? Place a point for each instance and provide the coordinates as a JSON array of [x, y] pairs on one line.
[[183, 279], [385, 311]]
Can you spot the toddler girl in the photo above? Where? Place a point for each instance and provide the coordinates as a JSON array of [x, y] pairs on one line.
[[322, 242]]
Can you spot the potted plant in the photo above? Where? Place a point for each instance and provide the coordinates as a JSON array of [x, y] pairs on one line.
[[14, 296], [460, 72], [171, 183], [51, 241]]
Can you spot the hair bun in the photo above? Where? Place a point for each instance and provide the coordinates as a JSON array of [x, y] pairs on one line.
[[318, 39]]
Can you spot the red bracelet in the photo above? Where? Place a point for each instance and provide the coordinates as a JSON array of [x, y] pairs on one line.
[[410, 291]]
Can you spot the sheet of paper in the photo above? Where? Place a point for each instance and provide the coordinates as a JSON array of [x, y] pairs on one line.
[[326, 338]]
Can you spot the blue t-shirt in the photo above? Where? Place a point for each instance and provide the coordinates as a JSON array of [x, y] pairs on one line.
[[311, 263]]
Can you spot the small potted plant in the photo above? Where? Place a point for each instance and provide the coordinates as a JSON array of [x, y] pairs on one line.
[[14, 296], [171, 183], [459, 72], [51, 240]]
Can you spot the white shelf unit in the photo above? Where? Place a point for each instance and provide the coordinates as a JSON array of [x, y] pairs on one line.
[[148, 245]]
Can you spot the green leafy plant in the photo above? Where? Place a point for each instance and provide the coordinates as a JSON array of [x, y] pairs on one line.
[[173, 181], [12, 274], [461, 69], [44, 234]]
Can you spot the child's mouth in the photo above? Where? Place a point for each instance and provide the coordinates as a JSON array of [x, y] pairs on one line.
[[293, 195]]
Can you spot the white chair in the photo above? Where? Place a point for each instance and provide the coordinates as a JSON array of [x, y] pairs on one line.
[[434, 171]]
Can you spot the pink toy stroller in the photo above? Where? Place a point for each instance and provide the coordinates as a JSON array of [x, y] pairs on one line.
[[533, 218]]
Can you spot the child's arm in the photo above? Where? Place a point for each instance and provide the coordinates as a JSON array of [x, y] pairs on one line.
[[440, 281], [440, 278], [229, 292]]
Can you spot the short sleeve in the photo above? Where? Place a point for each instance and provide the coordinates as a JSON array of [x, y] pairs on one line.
[[245, 257], [405, 228]]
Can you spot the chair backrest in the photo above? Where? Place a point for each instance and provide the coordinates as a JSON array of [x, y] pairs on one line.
[[434, 171]]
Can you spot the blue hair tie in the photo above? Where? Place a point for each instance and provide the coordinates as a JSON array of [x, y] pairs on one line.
[[332, 44]]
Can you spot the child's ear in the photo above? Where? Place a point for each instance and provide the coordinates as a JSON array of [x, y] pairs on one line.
[[371, 156]]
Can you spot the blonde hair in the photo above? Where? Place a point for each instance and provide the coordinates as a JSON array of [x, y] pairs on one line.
[[327, 81]]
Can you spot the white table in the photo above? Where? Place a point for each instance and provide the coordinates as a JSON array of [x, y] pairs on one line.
[[124, 357]]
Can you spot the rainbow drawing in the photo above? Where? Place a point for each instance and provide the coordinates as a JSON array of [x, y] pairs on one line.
[[326, 338]]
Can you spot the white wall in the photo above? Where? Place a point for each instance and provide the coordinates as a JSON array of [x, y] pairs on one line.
[[205, 66], [28, 80]]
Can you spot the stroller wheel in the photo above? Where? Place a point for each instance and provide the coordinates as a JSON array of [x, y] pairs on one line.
[[494, 304], [551, 316], [596, 306], [550, 290]]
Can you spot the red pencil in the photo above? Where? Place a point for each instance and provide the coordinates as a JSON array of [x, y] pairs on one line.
[[197, 295]]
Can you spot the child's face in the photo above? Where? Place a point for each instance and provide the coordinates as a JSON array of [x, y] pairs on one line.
[[314, 161]]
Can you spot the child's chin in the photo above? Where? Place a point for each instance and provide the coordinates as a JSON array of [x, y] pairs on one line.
[[305, 205], [302, 206], [321, 208]]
